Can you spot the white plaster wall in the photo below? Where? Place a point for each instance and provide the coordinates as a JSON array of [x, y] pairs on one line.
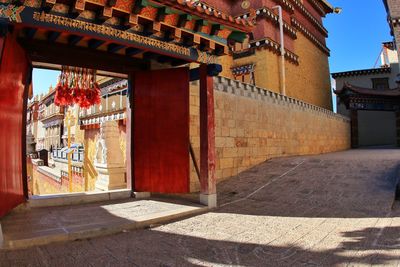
[[41, 133], [365, 80], [392, 56]]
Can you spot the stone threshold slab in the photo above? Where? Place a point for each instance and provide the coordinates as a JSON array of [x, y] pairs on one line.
[[63, 199], [40, 226]]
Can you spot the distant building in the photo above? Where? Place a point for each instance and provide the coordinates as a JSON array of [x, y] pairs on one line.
[[52, 118], [97, 134], [393, 12], [371, 98], [32, 117], [104, 128], [32, 125]]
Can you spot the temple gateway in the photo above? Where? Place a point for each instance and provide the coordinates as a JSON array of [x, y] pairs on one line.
[[199, 91]]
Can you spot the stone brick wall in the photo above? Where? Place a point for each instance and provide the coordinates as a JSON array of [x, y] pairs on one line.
[[254, 124]]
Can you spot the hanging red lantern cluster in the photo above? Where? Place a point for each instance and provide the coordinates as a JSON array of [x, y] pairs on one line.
[[77, 86]]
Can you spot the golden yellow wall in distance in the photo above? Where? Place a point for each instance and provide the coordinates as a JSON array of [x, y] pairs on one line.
[[308, 81], [91, 137]]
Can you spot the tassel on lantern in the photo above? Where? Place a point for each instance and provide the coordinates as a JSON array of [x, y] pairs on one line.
[[77, 86]]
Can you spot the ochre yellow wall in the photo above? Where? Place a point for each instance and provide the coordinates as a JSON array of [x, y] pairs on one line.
[[227, 63], [43, 184], [308, 81], [122, 141], [91, 137], [40, 183]]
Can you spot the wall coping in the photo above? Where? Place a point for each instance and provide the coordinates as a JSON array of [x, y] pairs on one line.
[[235, 87], [49, 173], [37, 162]]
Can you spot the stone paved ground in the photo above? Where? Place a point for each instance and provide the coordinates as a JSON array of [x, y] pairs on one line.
[[328, 210]]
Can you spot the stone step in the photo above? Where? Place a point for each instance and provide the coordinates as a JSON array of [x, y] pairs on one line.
[[40, 226], [64, 199]]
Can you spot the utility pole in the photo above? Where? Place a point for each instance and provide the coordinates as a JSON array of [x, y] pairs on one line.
[[282, 72]]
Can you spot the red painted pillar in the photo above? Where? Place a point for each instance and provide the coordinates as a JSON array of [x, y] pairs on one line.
[[398, 128], [129, 142], [2, 41], [129, 169], [354, 128], [207, 139]]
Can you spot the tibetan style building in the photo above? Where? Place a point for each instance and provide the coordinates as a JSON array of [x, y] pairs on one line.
[[371, 98], [52, 120], [32, 124], [258, 60], [92, 130], [125, 38], [199, 90]]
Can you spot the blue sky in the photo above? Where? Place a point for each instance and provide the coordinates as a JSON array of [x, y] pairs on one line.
[[42, 79], [355, 38], [355, 35]]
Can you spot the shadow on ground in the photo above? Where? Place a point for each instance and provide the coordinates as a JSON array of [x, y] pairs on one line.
[[157, 248]]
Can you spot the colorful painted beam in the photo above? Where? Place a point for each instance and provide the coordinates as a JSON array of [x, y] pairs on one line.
[[99, 34]]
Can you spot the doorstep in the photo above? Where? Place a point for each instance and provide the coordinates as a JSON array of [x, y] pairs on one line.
[[76, 198], [40, 226]]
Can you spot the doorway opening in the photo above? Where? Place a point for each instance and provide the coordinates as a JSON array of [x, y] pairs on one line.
[[73, 149], [377, 128]]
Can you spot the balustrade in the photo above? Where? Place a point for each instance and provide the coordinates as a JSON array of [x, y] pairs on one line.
[[61, 154]]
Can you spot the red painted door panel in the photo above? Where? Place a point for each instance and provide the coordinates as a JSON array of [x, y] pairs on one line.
[[161, 131], [13, 70]]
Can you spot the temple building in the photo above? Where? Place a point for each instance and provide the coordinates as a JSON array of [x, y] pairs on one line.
[[371, 98], [255, 59], [32, 124], [104, 127], [201, 91], [91, 131], [304, 73], [52, 119]]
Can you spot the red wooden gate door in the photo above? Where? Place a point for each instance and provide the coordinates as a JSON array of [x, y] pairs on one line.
[[13, 69], [161, 131]]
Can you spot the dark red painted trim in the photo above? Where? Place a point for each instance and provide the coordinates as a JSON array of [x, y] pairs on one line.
[[398, 127], [207, 133], [161, 131], [2, 42], [129, 141], [28, 81], [354, 128]]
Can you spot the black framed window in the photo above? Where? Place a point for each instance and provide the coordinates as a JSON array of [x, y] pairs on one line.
[[380, 83]]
